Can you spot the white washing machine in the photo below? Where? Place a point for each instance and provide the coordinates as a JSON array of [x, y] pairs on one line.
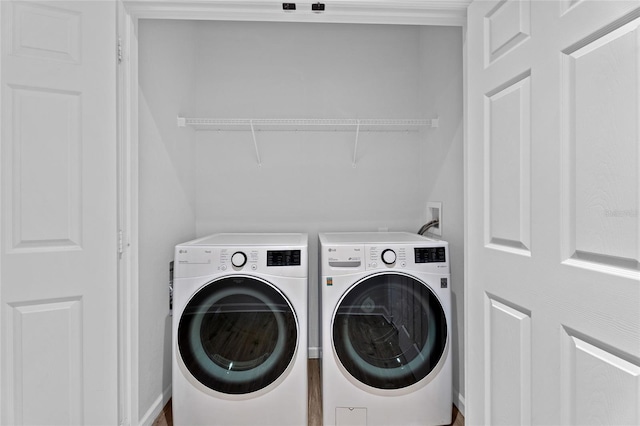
[[240, 330], [386, 329]]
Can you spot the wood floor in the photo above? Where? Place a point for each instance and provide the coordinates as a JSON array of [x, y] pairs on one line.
[[315, 402]]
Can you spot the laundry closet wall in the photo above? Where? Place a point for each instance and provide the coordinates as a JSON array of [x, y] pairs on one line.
[[166, 194], [306, 181], [441, 167]]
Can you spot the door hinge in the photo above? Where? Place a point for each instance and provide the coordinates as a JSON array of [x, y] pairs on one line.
[[119, 50]]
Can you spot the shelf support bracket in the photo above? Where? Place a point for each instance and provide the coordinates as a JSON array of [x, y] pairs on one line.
[[255, 143], [355, 145]]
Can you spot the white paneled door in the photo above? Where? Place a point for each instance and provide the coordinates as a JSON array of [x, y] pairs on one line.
[[58, 346], [553, 325]]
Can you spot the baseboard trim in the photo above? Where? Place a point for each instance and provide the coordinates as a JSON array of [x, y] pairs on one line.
[[314, 352], [458, 401], [156, 408]]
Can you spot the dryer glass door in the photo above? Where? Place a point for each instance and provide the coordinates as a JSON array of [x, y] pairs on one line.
[[389, 331], [237, 335]]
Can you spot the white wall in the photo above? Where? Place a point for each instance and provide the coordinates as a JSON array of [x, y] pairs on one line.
[[306, 182], [441, 168], [166, 193]]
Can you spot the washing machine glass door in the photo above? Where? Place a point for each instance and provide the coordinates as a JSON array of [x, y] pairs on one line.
[[237, 335], [389, 331]]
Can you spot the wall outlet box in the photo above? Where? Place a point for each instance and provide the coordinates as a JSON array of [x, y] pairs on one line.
[[434, 211]]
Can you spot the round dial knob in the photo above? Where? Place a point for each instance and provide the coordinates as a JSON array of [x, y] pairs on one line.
[[388, 256], [238, 259]]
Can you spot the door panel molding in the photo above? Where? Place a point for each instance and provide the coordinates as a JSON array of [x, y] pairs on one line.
[[507, 156], [612, 374], [55, 139], [506, 27], [62, 43], [34, 349], [601, 199], [508, 348]]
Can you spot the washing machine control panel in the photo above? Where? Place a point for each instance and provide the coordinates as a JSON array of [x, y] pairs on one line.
[[397, 256], [350, 258], [349, 253], [430, 254], [385, 256], [345, 256]]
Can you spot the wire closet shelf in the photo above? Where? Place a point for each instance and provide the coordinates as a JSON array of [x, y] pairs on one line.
[[316, 124]]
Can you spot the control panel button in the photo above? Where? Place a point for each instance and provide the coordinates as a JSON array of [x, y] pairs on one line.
[[389, 257], [238, 259]]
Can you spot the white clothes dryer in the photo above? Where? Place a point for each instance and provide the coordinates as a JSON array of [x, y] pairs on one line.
[[239, 350], [386, 329]]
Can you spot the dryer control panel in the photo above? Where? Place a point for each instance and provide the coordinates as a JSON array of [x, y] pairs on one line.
[[197, 261], [283, 258]]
